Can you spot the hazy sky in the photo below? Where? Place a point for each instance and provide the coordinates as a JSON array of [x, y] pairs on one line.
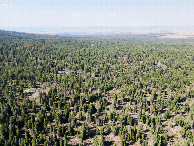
[[90, 13]]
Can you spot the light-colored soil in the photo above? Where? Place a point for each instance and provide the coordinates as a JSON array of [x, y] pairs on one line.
[[167, 33]]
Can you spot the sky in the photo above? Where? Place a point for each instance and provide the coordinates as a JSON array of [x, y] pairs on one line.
[[79, 14]]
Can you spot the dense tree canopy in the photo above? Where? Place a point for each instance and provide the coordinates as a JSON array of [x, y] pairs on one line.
[[101, 91]]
